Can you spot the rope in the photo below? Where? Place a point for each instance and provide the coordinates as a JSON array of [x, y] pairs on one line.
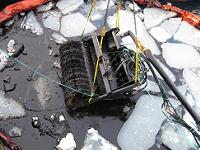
[[118, 14], [88, 17]]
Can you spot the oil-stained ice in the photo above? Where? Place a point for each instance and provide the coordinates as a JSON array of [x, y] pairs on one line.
[[30, 22], [75, 26], [179, 55], [160, 34], [10, 108], [59, 39], [188, 34], [155, 16], [51, 20], [94, 141]]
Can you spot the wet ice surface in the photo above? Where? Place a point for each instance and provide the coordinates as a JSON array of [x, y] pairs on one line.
[[59, 39], [163, 35]]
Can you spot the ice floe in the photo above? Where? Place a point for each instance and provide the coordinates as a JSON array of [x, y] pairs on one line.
[[59, 39], [179, 55], [45, 7], [75, 26], [94, 141], [188, 34], [127, 23], [67, 143], [30, 22], [160, 34], [51, 20], [67, 6], [10, 108], [139, 131], [155, 16], [171, 25]]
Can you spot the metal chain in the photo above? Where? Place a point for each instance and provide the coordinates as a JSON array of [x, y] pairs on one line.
[[134, 15]]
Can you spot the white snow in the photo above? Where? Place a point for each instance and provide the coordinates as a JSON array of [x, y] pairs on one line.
[[127, 23], [140, 130], [59, 39], [75, 26], [30, 22], [51, 20], [45, 7], [67, 143], [160, 34], [3, 59], [179, 55], [67, 6], [171, 25], [188, 34], [155, 16], [10, 108], [94, 141]]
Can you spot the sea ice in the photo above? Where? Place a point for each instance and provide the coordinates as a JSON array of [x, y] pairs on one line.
[[45, 7], [67, 6], [179, 55], [155, 16], [73, 25], [94, 141], [160, 34], [67, 143], [139, 131], [188, 34], [15, 132], [51, 20], [59, 39], [127, 23], [10, 108], [31, 22], [3, 59], [171, 25]]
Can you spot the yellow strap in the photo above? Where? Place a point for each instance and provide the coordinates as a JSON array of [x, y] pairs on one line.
[[118, 14], [88, 17], [137, 65]]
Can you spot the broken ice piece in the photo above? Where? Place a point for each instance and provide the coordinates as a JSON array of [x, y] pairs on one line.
[[51, 20], [10, 46], [67, 143], [57, 65], [67, 6], [45, 7], [75, 26], [132, 6], [10, 108], [160, 34], [184, 53], [14, 49], [36, 122], [31, 22], [15, 132], [59, 39], [3, 60], [94, 141], [155, 16]]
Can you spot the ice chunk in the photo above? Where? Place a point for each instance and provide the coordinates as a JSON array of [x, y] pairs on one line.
[[31, 22], [67, 6], [45, 7], [152, 86], [15, 132], [59, 39], [10, 108], [155, 16], [188, 34], [127, 23], [140, 130], [160, 34], [42, 86], [94, 141], [51, 20], [171, 25], [3, 59], [67, 143], [180, 55], [73, 25]]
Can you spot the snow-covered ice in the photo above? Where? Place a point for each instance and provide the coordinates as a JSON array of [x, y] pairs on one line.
[[45, 7], [51, 20], [127, 23], [160, 34], [179, 55], [59, 39], [67, 143], [171, 25], [75, 26], [67, 6], [155, 16], [94, 141], [10, 108], [30, 22], [188, 34], [139, 131], [3, 59]]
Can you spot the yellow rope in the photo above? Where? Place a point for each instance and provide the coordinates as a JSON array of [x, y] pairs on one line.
[[88, 17], [137, 65], [118, 14]]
